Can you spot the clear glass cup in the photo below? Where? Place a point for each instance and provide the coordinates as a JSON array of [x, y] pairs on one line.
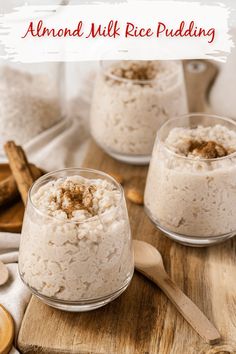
[[192, 200], [76, 266], [126, 113], [32, 95]]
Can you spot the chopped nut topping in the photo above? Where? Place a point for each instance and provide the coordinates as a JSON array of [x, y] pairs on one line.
[[207, 149], [135, 71]]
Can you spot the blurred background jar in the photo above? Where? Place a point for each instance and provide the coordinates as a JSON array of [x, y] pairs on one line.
[[31, 95], [131, 100], [222, 95]]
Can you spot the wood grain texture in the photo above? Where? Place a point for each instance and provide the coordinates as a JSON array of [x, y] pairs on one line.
[[142, 320], [148, 261], [10, 216], [12, 210], [6, 331], [8, 188]]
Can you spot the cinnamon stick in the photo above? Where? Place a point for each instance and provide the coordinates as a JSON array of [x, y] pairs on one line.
[[8, 187], [20, 168]]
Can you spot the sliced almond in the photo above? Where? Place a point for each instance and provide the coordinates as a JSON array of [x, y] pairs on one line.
[[135, 196]]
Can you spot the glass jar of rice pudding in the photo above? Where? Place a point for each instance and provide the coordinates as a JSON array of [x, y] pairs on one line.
[[191, 185], [131, 100], [76, 251]]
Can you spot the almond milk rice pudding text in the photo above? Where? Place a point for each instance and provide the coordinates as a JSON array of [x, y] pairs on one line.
[[76, 243], [191, 185]]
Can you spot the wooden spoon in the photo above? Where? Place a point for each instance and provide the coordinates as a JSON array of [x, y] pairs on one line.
[[6, 331], [4, 274], [149, 262]]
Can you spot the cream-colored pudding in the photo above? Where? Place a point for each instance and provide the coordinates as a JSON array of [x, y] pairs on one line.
[[28, 105], [191, 184], [131, 101], [76, 240]]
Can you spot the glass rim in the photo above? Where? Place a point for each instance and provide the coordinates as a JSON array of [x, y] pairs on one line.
[[175, 119], [75, 169], [141, 82]]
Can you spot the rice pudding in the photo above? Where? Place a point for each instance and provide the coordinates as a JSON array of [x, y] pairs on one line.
[[191, 185], [76, 243], [131, 100]]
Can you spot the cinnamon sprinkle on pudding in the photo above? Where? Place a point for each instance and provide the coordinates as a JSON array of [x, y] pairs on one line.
[[76, 198], [135, 70], [131, 100], [191, 192], [202, 142], [207, 149], [76, 242]]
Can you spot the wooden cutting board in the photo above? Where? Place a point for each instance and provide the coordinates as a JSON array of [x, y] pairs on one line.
[[142, 320]]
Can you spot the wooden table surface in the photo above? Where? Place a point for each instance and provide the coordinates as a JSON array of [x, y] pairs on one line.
[[11, 216], [142, 320]]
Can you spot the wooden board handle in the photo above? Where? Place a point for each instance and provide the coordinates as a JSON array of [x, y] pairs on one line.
[[193, 315], [199, 76]]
